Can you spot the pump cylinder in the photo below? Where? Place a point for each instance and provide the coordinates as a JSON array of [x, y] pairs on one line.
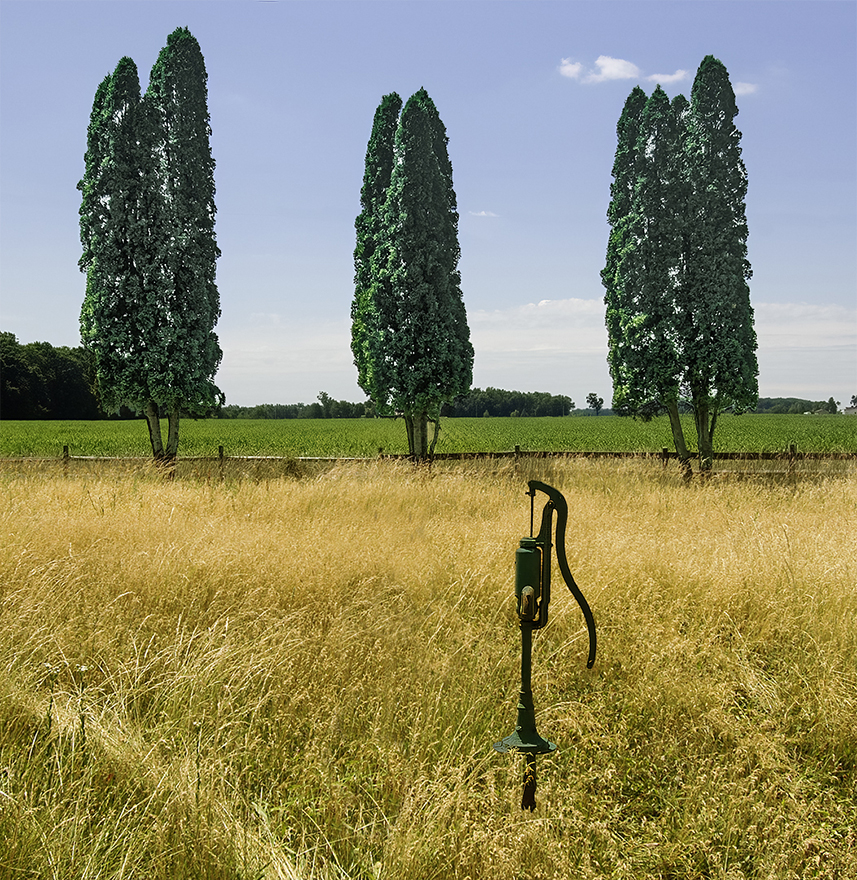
[[528, 570]]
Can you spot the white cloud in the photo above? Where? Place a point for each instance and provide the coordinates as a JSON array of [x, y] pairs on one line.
[[557, 325], [668, 78], [612, 68], [805, 350], [608, 69], [793, 326], [272, 358], [741, 88], [482, 214], [558, 346], [570, 69]]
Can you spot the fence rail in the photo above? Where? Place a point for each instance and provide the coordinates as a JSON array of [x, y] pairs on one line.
[[665, 455]]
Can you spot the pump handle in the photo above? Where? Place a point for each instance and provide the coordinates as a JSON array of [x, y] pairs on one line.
[[561, 507]]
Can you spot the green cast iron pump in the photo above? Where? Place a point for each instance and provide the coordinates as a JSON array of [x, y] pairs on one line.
[[533, 593]]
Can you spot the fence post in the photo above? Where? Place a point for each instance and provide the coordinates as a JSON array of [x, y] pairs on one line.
[[220, 461], [65, 457]]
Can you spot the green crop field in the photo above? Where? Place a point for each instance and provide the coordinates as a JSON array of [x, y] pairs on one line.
[[364, 437]]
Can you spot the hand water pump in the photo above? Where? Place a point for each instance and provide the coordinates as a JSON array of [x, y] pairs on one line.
[[532, 594]]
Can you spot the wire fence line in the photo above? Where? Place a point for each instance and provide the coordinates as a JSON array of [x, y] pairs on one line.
[[792, 459], [665, 455]]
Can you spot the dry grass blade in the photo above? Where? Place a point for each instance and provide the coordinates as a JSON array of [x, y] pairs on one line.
[[303, 677]]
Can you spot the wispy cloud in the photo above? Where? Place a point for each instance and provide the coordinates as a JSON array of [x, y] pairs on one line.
[[571, 69], [610, 69], [792, 326], [553, 345], [550, 325], [668, 78], [805, 350], [606, 69], [742, 88], [482, 214]]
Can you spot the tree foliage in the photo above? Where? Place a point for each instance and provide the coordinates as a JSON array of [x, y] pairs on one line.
[[497, 402], [369, 225], [795, 406], [679, 319], [117, 227], [38, 381], [594, 402], [149, 249], [410, 335]]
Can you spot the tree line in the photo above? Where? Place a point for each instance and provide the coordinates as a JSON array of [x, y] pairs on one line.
[[795, 406], [41, 381], [679, 320], [38, 381], [499, 403], [476, 403], [325, 407]]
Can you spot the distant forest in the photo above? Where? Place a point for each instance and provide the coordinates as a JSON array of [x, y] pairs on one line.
[[490, 402], [38, 381]]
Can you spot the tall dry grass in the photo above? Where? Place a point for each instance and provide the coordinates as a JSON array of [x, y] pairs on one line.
[[303, 677]]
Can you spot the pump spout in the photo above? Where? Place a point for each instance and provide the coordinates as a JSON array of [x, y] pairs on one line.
[[558, 503]]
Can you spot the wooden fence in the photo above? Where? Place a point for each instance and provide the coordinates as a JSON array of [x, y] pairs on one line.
[[790, 459]]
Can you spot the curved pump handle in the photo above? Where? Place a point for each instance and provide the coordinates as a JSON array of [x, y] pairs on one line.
[[561, 508]]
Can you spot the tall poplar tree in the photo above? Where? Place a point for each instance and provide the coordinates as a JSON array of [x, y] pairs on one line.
[[679, 320], [644, 250], [118, 218], [370, 226], [147, 226], [720, 356], [421, 355], [625, 234]]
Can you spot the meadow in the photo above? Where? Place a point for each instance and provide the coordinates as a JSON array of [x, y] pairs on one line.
[[362, 438], [303, 677]]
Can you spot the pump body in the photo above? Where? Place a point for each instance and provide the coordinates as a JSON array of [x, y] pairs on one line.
[[532, 596]]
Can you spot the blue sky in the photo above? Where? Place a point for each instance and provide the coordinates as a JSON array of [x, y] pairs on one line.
[[530, 93]]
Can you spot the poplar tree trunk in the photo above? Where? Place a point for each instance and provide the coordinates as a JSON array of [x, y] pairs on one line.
[[705, 432], [436, 423], [419, 435], [153, 420], [172, 432], [409, 427], [678, 438]]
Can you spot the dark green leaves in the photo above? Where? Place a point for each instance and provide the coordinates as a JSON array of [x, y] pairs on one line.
[[147, 229], [679, 318], [365, 341], [409, 335]]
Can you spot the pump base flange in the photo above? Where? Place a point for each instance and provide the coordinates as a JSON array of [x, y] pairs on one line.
[[530, 744]]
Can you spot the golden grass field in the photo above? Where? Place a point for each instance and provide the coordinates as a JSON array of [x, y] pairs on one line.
[[303, 676]]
